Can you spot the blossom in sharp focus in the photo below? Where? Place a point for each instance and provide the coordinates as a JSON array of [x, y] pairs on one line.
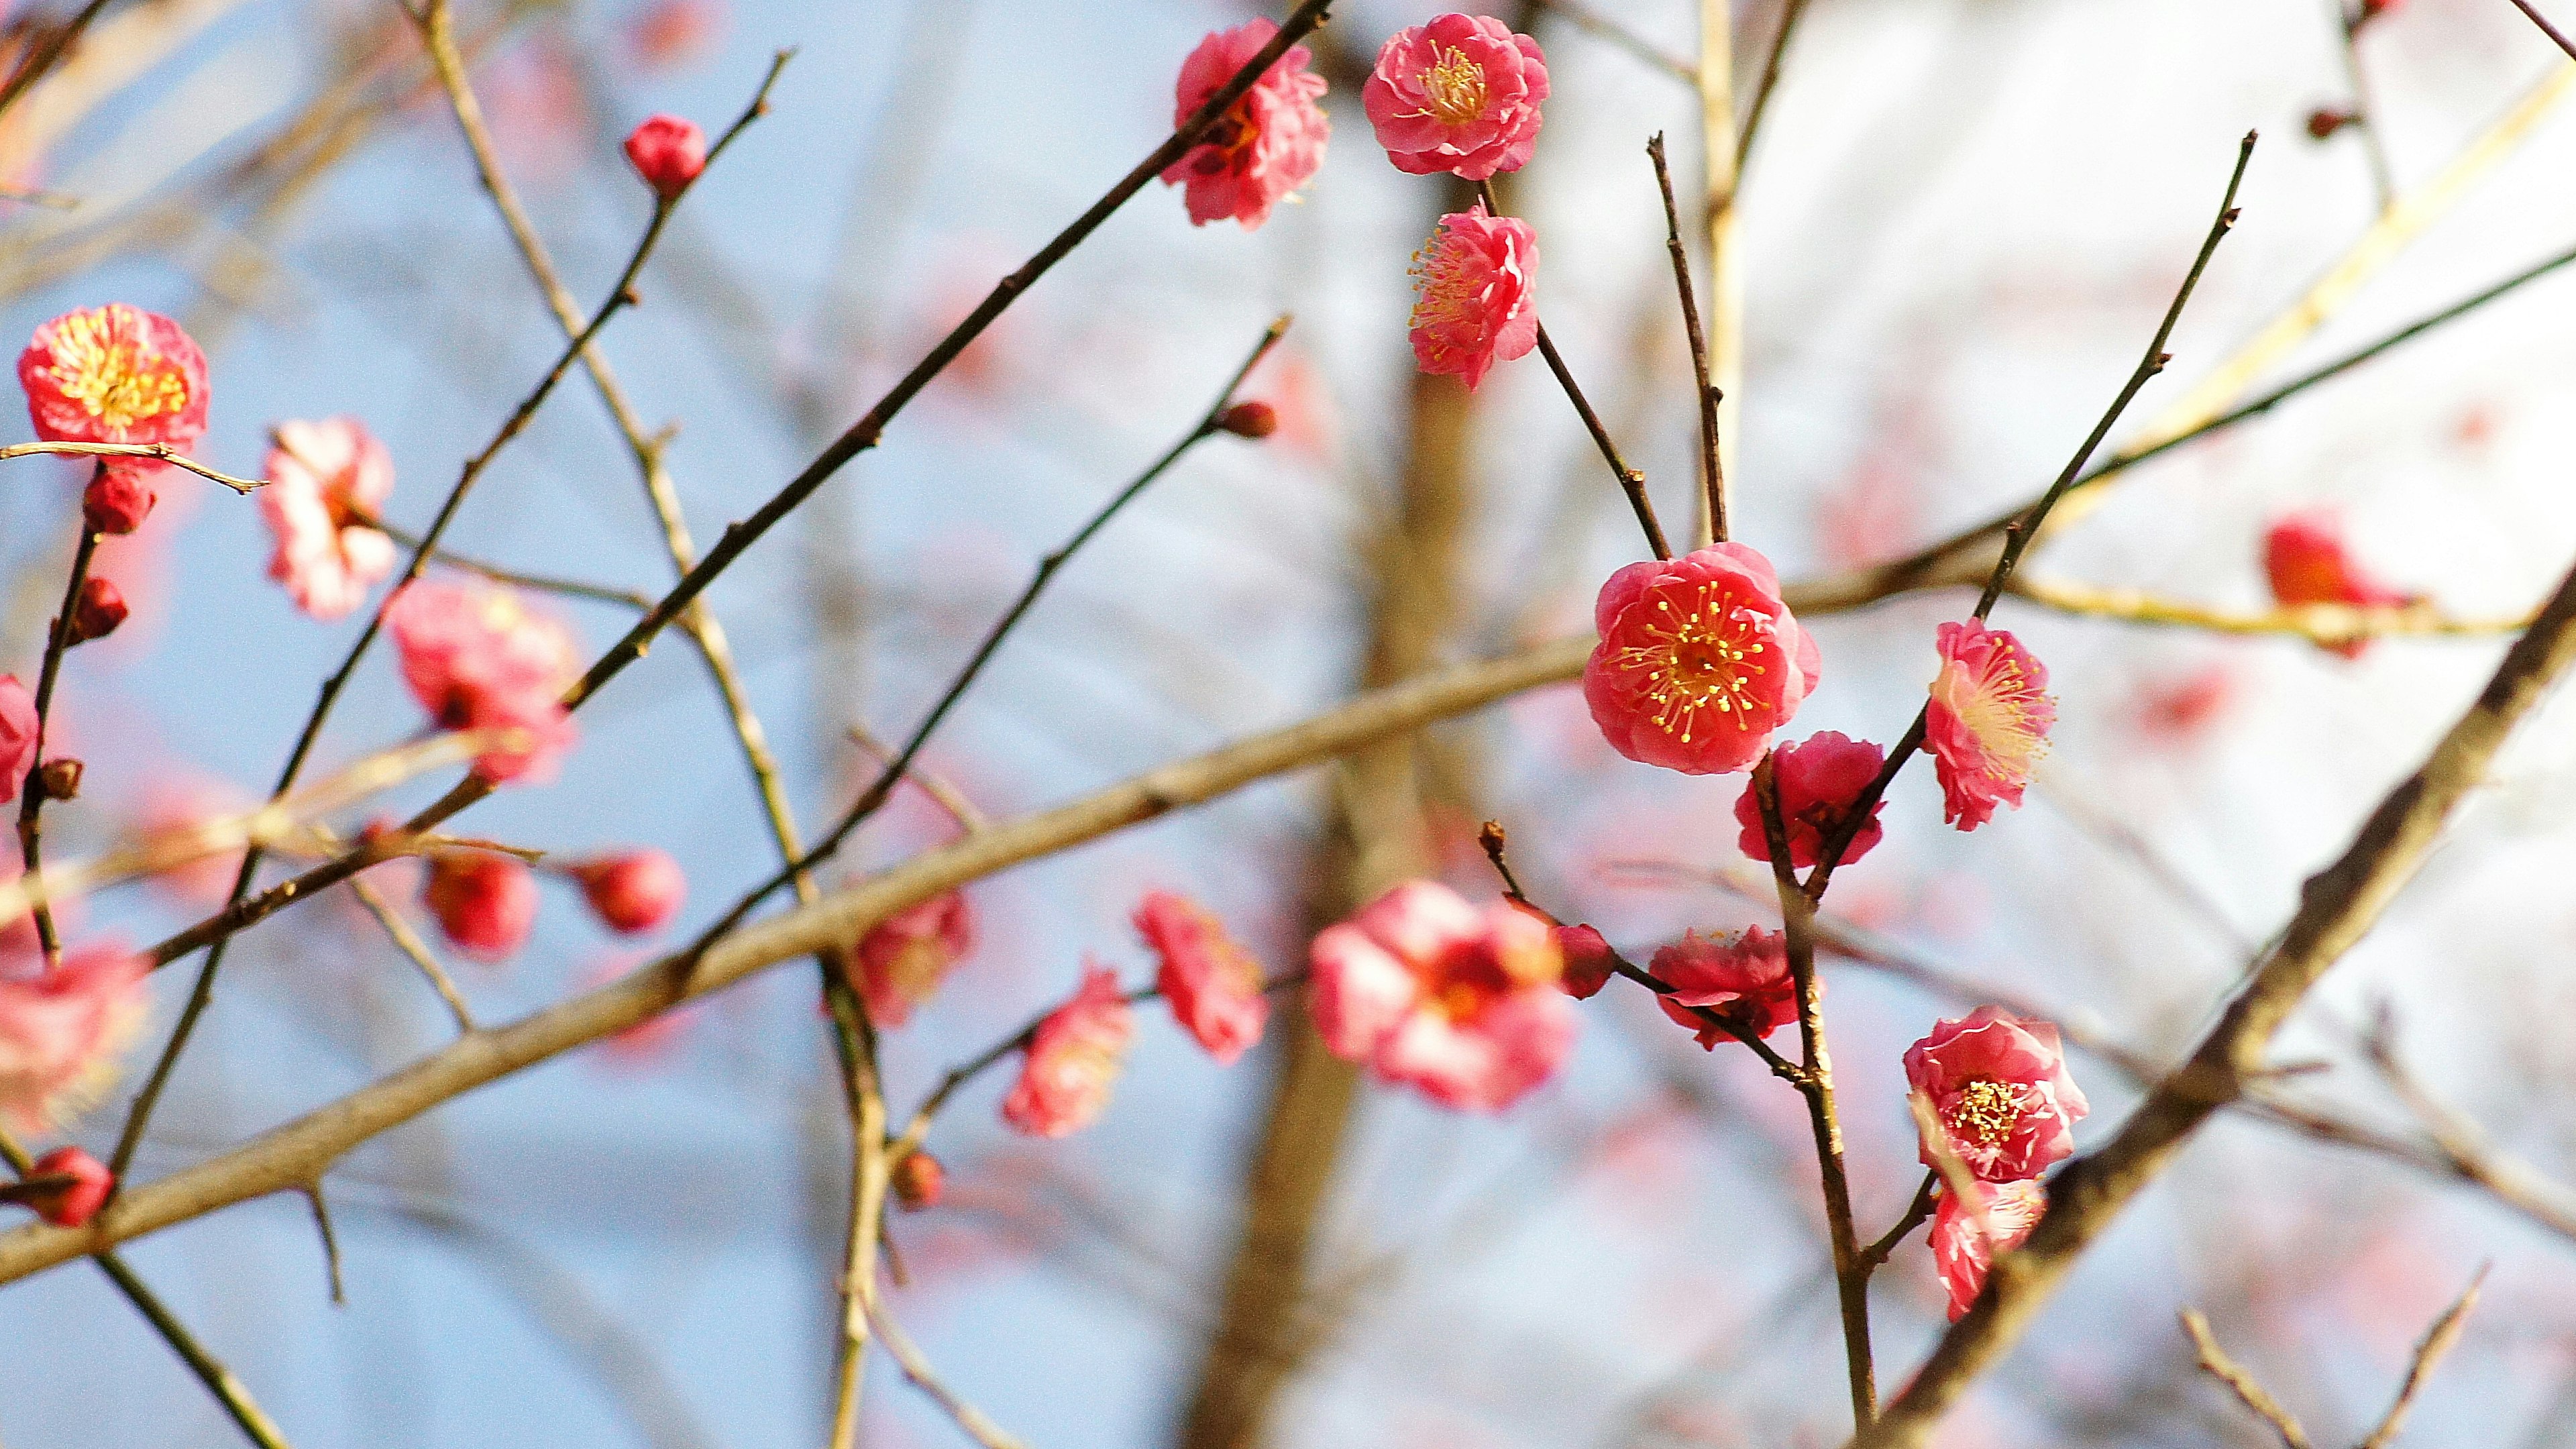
[[1699, 660], [633, 891], [1461, 94], [18, 732], [115, 374], [1966, 1238], [1988, 722], [1587, 961], [903, 958], [61, 1030], [1213, 984], [1073, 1060], [327, 483], [1475, 294], [78, 1201], [1819, 779], [1461, 1002], [1266, 145], [668, 152], [1744, 979], [2000, 1088], [486, 904], [476, 657], [2308, 561]]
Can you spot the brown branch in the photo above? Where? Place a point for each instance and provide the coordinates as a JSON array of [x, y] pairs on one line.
[[970, 1421], [2556, 36], [1917, 1212], [31, 790], [412, 946], [2437, 1341], [162, 452], [2249, 1392], [1712, 468], [49, 49], [1791, 12], [2326, 624]]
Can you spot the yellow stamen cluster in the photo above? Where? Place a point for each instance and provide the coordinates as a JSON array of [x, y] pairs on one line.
[[112, 378], [1986, 1112], [1998, 711], [1701, 658], [1455, 86]]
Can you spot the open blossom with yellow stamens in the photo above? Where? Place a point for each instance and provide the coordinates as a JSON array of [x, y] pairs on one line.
[[1426, 990], [1699, 660], [1988, 722], [1999, 1086], [327, 482], [1460, 94], [1266, 145], [115, 374], [1474, 295]]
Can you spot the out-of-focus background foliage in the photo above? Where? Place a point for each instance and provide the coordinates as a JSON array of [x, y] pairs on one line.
[[1960, 224]]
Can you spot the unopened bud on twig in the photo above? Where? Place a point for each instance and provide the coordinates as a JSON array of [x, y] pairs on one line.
[[919, 1181], [98, 610], [2324, 121], [66, 1187], [668, 153], [61, 779], [1249, 420]]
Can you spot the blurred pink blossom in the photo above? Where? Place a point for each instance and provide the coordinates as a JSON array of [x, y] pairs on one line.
[[1266, 145], [1073, 1061], [327, 483], [633, 891], [18, 731], [1213, 984], [903, 958], [175, 801], [2308, 561], [1460, 94], [486, 904], [476, 657], [1429, 991], [669, 34], [1965, 1239], [1989, 721], [61, 1030], [1699, 660]]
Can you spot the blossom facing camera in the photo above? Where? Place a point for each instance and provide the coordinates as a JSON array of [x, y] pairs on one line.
[[634, 891], [1459, 94], [919, 1182], [61, 1030], [485, 904], [1458, 1001], [2307, 560], [77, 1201], [327, 485], [115, 374], [1699, 661], [18, 731], [1988, 723], [1267, 144], [476, 657], [1073, 1061], [1999, 1086], [1212, 982], [668, 152], [97, 611], [903, 958], [1965, 1239], [1745, 980], [1587, 961], [1475, 295], [1819, 779]]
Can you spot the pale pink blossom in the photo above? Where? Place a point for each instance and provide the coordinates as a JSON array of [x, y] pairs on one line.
[[327, 484], [668, 34], [1073, 1060], [1475, 300], [1427, 990], [1988, 723], [1212, 982], [476, 657], [633, 891], [1266, 145], [486, 904], [1999, 1086], [2308, 561], [903, 958], [1966, 1237], [1819, 779], [18, 736], [61, 1030], [1699, 660], [1744, 979], [115, 374], [1460, 94]]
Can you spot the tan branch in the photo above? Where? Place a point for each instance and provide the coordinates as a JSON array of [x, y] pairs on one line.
[[2320, 623], [2215, 1362]]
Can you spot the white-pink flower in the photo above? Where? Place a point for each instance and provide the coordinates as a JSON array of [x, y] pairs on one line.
[[327, 484]]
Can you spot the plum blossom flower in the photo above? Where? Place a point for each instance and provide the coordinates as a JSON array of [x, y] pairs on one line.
[[1073, 1060], [1213, 984], [668, 152], [1587, 961], [1266, 145], [1460, 94], [1988, 722], [1699, 660], [18, 736], [1965, 1238], [115, 374], [1475, 304], [478, 658], [1745, 979], [61, 1030], [2308, 561], [1427, 990], [1819, 780], [2000, 1088], [903, 958], [633, 891], [485, 904], [327, 483]]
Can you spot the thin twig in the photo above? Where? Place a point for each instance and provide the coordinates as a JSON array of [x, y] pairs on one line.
[[1721, 158], [417, 949], [1585, 18], [1790, 14], [31, 790], [536, 583], [161, 452], [1712, 468], [2437, 1341], [2556, 37], [2365, 111], [1917, 1212], [330, 1241], [2215, 1362], [49, 49], [2326, 624], [970, 1420], [938, 787]]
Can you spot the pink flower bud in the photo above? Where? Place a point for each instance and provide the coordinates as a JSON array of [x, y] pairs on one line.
[[79, 1201], [118, 500], [61, 779], [486, 904], [919, 1181], [1249, 420], [1587, 961], [98, 610], [668, 153], [2308, 561], [635, 892]]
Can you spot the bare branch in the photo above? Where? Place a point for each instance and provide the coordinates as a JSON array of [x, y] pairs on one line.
[[2215, 1362]]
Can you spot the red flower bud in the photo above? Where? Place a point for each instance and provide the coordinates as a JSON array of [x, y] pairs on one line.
[[98, 610], [486, 904], [1587, 961], [919, 1181], [2325, 121], [118, 501], [1249, 420], [668, 153], [78, 1201], [635, 892]]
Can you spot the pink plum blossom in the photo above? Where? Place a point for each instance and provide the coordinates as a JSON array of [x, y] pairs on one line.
[[1965, 1238], [2000, 1088], [1744, 979], [18, 736], [1460, 94], [476, 657], [98, 610], [1213, 984], [485, 904], [1475, 295], [115, 374], [1266, 145], [1988, 722], [903, 958], [1699, 660], [60, 1032], [1429, 991], [1819, 780], [327, 484], [1073, 1060]]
